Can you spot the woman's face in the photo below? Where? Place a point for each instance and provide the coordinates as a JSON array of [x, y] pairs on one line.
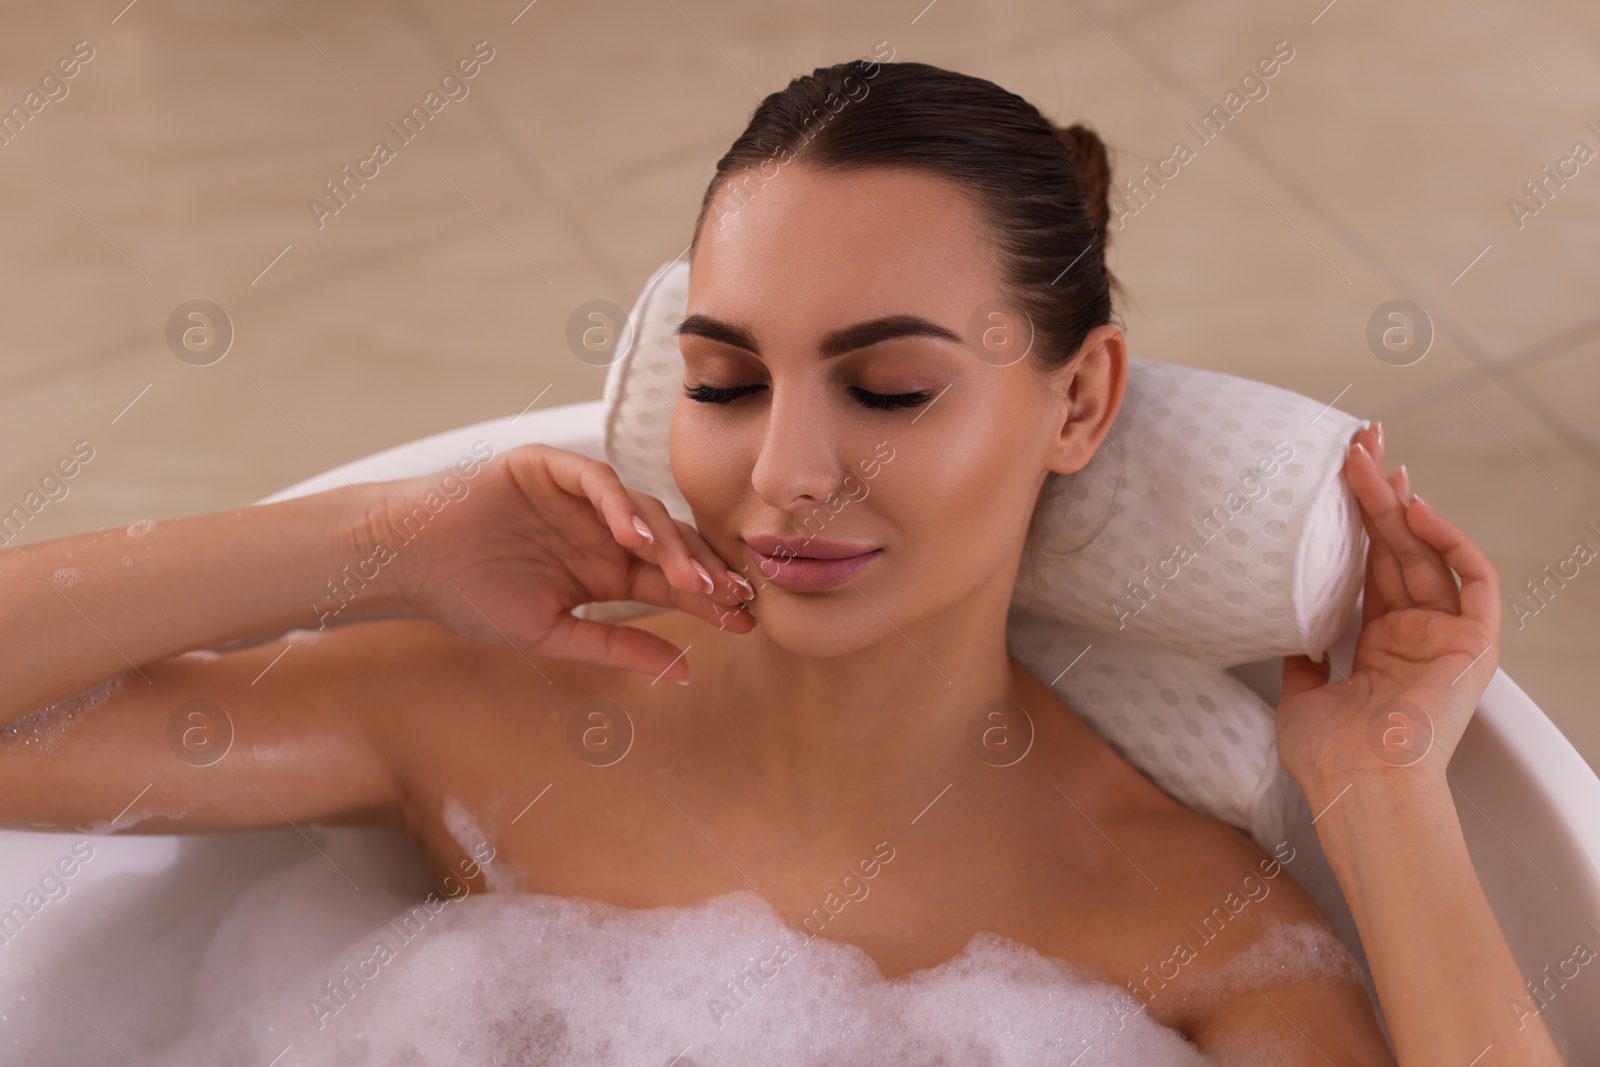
[[859, 391]]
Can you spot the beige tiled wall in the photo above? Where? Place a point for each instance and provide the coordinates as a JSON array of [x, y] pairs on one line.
[[1377, 167]]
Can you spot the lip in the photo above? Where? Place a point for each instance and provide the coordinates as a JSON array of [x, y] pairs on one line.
[[808, 566]]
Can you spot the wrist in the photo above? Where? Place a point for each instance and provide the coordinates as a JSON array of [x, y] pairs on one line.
[[1419, 783], [364, 567], [1373, 816]]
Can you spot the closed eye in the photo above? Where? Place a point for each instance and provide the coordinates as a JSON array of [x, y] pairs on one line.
[[890, 401], [713, 394]]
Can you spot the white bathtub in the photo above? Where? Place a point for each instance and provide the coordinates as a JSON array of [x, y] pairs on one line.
[[1529, 804]]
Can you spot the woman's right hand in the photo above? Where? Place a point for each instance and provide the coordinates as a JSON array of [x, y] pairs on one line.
[[537, 531]]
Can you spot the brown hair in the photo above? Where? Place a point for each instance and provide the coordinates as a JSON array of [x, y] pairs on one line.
[[1042, 189]]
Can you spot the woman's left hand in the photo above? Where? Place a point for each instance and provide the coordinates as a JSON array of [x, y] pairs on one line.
[[1426, 651]]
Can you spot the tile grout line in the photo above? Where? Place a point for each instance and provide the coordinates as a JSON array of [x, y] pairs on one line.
[[1375, 260]]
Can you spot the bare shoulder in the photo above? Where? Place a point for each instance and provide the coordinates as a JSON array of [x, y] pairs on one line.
[[1207, 929], [476, 734], [1251, 965]]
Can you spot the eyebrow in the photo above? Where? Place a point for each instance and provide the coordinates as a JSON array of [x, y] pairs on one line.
[[848, 339]]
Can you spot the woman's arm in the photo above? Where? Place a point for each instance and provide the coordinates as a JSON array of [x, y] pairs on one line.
[[79, 610], [498, 551], [1371, 749], [1449, 987], [190, 743], [217, 742]]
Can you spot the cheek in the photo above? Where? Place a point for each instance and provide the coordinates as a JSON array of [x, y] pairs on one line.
[[976, 490], [957, 499], [703, 457]]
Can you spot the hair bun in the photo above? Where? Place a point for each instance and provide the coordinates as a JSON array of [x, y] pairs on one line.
[[1091, 162]]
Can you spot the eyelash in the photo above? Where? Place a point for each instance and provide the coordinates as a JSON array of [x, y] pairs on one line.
[[712, 394]]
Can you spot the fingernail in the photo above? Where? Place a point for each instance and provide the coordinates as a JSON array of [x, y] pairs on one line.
[[644, 531], [1380, 435], [739, 580], [1362, 449], [1415, 499], [681, 681], [705, 576]]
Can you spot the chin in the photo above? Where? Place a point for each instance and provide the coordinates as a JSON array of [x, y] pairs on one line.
[[821, 625]]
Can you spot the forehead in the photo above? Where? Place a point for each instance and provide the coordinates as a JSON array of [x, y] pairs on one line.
[[804, 251]]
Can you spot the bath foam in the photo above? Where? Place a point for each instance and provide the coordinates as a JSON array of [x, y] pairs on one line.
[[466, 832], [250, 932], [1284, 954], [39, 731], [517, 978], [1288, 953]]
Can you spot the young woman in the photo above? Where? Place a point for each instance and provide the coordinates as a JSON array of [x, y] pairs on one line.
[[852, 236]]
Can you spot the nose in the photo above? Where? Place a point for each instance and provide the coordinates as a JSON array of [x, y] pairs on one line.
[[798, 463]]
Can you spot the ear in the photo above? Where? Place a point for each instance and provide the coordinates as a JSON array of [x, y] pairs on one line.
[[1091, 391]]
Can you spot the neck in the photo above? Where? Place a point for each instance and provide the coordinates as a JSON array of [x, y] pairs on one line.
[[841, 741]]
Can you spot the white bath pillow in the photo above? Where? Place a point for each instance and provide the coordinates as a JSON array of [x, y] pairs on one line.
[[642, 387], [1214, 521], [1195, 730]]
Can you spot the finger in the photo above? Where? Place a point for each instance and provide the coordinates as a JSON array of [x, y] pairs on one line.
[[1384, 586], [1428, 580], [1385, 589], [1384, 576], [1480, 579], [1372, 601], [732, 587], [689, 565], [609, 645], [598, 482], [640, 523], [647, 584], [1300, 673], [680, 585]]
